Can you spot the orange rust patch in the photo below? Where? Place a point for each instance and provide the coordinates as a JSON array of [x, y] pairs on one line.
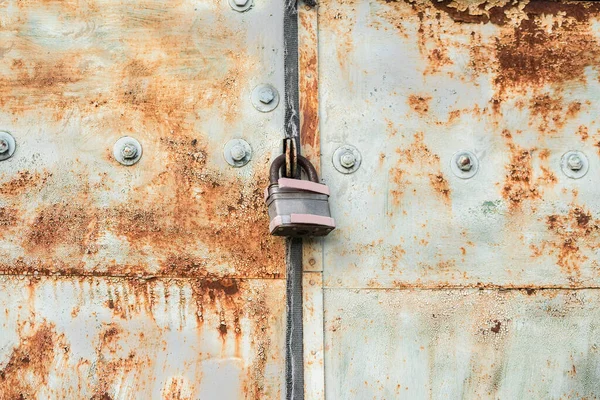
[[518, 183], [428, 165], [419, 104], [227, 216], [61, 224], [8, 217], [582, 132], [397, 178], [549, 111], [547, 177], [440, 185], [29, 365], [418, 152], [531, 54], [309, 86], [573, 231], [23, 182]]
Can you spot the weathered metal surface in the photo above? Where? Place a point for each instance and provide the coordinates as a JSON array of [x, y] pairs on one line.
[[462, 344], [205, 318], [410, 83], [117, 338], [178, 77], [314, 367]]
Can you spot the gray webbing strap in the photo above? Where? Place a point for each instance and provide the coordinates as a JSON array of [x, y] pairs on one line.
[[294, 363]]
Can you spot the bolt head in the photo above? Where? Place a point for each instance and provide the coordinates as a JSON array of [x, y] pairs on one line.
[[266, 95], [4, 146], [240, 3], [574, 162], [347, 160], [464, 163], [129, 151], [237, 152]]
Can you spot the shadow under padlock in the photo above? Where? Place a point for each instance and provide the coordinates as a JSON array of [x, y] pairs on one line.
[[298, 208]]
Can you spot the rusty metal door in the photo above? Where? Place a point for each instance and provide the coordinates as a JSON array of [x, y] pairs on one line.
[[450, 277], [150, 280]]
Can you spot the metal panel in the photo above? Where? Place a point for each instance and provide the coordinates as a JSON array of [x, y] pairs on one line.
[[140, 339], [158, 279], [177, 76], [462, 344], [410, 83]]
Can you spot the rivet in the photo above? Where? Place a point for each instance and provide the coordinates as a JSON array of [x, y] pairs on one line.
[[7, 145], [241, 5], [574, 164], [347, 159], [127, 151], [237, 152], [265, 98], [464, 164]]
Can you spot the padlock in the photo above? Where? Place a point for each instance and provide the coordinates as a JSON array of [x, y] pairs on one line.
[[298, 208]]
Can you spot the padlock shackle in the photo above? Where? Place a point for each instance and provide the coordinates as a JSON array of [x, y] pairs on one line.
[[303, 162]]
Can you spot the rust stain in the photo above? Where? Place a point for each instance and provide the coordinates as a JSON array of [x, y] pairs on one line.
[[30, 364], [532, 54], [400, 185], [418, 152], [62, 224], [518, 184], [229, 218], [582, 132], [440, 185], [496, 327], [428, 165], [24, 182], [549, 112], [309, 86], [574, 232], [8, 217], [419, 103]]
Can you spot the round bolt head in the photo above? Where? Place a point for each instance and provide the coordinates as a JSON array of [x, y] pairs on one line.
[[265, 98], [347, 159], [241, 5], [464, 162], [237, 152], [574, 162], [4, 145], [127, 151], [7, 145]]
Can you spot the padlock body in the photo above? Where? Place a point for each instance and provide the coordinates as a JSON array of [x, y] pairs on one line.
[[298, 213]]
